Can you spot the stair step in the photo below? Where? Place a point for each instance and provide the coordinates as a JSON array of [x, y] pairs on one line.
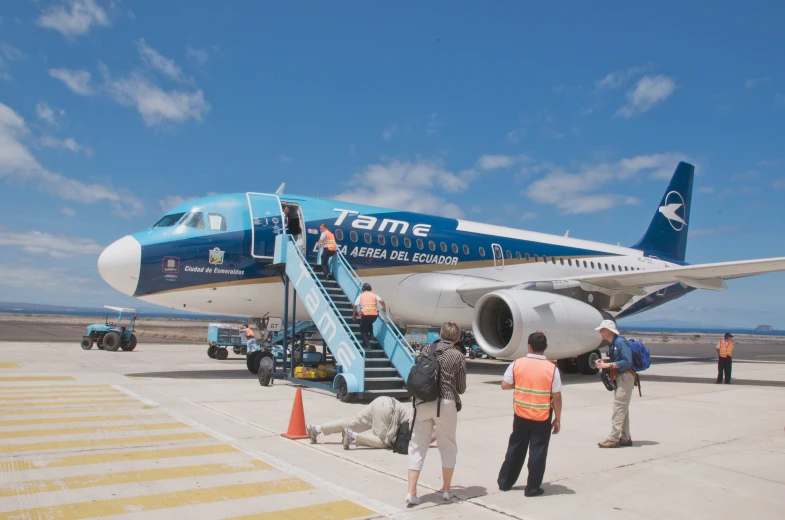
[[401, 395], [375, 372]]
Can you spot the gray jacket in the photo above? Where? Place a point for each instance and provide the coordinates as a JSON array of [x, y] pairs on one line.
[[388, 415]]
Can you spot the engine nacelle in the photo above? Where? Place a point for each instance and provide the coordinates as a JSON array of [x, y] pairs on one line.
[[504, 319]]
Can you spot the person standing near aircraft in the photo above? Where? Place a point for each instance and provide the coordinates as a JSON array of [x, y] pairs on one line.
[[725, 352], [536, 401], [329, 247], [369, 303], [620, 365], [291, 222]]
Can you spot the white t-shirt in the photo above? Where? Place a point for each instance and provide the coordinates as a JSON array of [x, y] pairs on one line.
[[323, 236], [357, 301], [509, 378]]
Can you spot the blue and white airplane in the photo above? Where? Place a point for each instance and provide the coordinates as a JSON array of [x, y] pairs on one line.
[[213, 255]]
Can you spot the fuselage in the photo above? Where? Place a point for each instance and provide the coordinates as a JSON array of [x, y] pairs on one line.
[[214, 255]]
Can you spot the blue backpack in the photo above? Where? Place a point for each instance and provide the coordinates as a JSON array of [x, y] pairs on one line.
[[641, 358]]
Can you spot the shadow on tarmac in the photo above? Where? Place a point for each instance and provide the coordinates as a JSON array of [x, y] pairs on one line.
[[712, 380], [197, 374]]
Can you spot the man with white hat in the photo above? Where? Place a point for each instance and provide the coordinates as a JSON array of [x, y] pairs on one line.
[[620, 364]]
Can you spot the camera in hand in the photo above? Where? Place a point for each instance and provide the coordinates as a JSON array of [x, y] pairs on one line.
[[605, 375]]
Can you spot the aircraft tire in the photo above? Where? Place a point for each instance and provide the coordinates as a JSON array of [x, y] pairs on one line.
[[343, 392], [567, 365], [87, 343], [221, 354], [130, 345], [265, 374], [253, 362], [586, 363], [111, 341], [211, 351]]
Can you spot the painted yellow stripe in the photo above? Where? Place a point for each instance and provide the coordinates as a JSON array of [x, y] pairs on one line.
[[130, 405], [9, 365], [36, 378], [128, 477], [44, 432], [94, 418], [115, 456], [342, 510], [94, 443], [66, 403], [104, 394], [532, 391], [58, 388], [119, 506], [535, 406]]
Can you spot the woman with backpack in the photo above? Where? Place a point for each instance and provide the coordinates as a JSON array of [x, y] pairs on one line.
[[441, 412]]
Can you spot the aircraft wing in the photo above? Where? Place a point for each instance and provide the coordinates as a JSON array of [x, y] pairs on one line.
[[700, 276]]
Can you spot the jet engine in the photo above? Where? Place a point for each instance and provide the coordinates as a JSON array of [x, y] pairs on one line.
[[504, 319]]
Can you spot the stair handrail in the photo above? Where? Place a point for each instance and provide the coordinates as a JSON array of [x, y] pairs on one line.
[[326, 295], [382, 313]]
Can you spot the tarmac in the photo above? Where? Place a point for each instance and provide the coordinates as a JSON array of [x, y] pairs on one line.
[[165, 432]]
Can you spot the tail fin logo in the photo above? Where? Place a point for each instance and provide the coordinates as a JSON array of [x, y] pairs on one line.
[[673, 210]]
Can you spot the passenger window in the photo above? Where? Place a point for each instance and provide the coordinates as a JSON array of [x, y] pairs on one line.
[[419, 243], [394, 241], [592, 265], [432, 245], [194, 220], [509, 255], [528, 257], [585, 264], [381, 240], [407, 243], [606, 267], [482, 251], [367, 238], [517, 255], [536, 258], [465, 249], [339, 234], [613, 268], [455, 249], [443, 247], [569, 262], [168, 220], [353, 236], [216, 221], [561, 260]]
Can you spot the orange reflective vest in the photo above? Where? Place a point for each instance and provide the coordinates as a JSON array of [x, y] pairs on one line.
[[329, 241], [726, 349], [249, 333], [368, 305], [533, 382]]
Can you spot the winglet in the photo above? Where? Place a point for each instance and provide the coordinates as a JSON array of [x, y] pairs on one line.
[[667, 233], [280, 188]]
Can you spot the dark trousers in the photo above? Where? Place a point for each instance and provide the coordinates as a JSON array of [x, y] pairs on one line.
[[326, 255], [531, 436], [366, 330], [724, 365]]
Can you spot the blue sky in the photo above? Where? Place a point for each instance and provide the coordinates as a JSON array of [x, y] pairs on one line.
[[112, 112]]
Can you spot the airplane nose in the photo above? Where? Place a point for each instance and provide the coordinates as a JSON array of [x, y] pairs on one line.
[[119, 264]]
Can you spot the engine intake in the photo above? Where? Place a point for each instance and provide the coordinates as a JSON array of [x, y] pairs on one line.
[[504, 319]]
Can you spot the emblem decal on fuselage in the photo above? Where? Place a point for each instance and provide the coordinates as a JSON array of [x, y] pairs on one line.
[[216, 256]]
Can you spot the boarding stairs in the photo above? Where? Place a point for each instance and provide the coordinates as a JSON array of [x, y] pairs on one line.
[[362, 374]]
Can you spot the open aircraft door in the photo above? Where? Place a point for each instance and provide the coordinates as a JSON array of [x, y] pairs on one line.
[[266, 222], [498, 256]]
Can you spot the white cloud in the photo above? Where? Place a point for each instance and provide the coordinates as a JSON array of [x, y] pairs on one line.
[[79, 81], [618, 79], [18, 165], [156, 105], [780, 99], [49, 115], [404, 185], [166, 66], [695, 233], [497, 162], [779, 184], [515, 136], [68, 212], [752, 82], [577, 192], [434, 124], [199, 56], [352, 150], [56, 246], [707, 189], [46, 280], [649, 91], [172, 201], [8, 53], [529, 215], [389, 132], [68, 143], [285, 159], [74, 19]]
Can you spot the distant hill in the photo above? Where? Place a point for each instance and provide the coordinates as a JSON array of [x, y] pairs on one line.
[[46, 308], [670, 324]]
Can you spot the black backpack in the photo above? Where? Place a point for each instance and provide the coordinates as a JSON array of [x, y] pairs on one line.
[[402, 440], [424, 378]]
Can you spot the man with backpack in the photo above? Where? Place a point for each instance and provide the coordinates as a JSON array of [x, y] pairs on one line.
[[620, 364]]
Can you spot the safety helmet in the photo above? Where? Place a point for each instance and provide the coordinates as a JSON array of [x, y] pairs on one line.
[[366, 286]]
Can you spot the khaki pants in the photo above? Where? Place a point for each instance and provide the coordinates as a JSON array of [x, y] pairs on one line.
[[422, 433], [362, 422], [625, 385]]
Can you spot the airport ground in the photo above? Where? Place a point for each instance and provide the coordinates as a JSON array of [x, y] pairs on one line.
[[166, 432]]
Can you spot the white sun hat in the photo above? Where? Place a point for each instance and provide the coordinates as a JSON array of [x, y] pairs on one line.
[[608, 324]]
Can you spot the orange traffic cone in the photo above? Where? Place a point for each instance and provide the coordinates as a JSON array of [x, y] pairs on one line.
[[297, 419]]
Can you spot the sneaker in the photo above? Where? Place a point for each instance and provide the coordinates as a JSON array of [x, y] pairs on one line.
[[537, 492], [413, 500], [624, 443], [312, 432], [346, 438], [448, 495], [608, 444]]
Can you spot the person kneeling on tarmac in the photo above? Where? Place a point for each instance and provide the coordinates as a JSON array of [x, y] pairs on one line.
[[383, 417]]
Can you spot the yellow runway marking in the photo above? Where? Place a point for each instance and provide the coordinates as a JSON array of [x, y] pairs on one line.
[[128, 477], [342, 510], [9, 365], [58, 388], [130, 405], [95, 418], [106, 394], [88, 443], [43, 432], [36, 378], [119, 506], [16, 404], [116, 456]]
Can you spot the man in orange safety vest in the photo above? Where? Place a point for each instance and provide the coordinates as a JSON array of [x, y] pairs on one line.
[[369, 304], [725, 352], [329, 247]]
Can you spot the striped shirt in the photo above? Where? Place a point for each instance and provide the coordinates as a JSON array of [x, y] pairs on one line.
[[452, 370]]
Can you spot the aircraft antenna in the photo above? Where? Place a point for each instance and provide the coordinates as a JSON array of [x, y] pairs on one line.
[[280, 188]]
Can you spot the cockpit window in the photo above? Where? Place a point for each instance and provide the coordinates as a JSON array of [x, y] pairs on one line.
[[194, 219], [217, 222], [168, 220]]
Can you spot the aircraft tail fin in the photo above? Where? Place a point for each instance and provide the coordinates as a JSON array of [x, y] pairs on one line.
[[667, 233]]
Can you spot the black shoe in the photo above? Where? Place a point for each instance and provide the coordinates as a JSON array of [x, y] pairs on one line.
[[537, 492]]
